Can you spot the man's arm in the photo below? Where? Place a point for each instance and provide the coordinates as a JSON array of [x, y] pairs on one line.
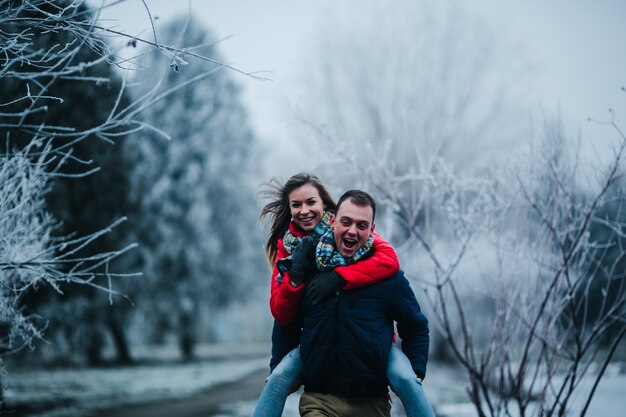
[[412, 326], [382, 264]]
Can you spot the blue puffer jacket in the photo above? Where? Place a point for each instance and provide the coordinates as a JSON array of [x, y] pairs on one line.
[[346, 338]]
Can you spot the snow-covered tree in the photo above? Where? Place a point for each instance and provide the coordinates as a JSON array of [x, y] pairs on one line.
[[63, 112], [50, 57], [68, 95], [196, 212]]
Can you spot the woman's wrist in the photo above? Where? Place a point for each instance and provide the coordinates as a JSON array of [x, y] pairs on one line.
[[294, 284]]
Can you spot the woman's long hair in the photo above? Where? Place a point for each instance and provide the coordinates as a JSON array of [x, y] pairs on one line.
[[278, 208]]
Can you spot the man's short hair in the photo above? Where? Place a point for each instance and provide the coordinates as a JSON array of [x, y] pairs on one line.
[[359, 198]]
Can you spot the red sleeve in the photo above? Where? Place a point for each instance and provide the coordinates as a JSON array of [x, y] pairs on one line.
[[382, 264], [284, 298]]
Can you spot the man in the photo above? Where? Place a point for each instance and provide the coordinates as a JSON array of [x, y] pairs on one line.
[[347, 336]]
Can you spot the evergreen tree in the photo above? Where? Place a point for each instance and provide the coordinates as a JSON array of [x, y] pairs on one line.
[[195, 207]]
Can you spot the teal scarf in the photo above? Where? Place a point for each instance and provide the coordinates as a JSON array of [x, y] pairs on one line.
[[327, 257], [290, 241]]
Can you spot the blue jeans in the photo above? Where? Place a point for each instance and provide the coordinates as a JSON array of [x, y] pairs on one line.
[[404, 383], [276, 390], [399, 372]]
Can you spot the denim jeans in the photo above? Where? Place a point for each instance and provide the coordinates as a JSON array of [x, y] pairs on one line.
[[276, 390], [404, 383], [399, 372]]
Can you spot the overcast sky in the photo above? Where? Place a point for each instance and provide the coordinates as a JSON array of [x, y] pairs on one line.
[[575, 47]]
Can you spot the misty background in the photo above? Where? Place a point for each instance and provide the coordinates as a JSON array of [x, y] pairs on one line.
[[490, 133]]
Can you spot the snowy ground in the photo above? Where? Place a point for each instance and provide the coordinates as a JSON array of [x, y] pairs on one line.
[[447, 394], [76, 392]]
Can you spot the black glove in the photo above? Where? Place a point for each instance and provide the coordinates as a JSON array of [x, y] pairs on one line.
[[322, 285], [303, 260]]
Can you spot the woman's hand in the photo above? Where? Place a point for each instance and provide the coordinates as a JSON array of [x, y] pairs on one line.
[[303, 260]]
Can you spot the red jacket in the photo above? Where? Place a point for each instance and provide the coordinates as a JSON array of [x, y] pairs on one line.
[[285, 299]]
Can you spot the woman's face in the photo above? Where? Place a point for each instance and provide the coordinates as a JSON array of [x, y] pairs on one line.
[[306, 206]]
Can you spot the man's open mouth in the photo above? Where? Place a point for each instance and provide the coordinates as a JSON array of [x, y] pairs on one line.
[[349, 243]]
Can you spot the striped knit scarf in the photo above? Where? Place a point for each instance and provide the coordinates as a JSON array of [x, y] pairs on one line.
[[290, 241], [327, 257]]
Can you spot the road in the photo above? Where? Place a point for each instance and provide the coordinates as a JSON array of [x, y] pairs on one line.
[[207, 404]]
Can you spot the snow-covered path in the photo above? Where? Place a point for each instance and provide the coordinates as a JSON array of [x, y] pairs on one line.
[[160, 376], [78, 392]]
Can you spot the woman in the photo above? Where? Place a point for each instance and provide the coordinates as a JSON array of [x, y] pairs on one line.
[[300, 213]]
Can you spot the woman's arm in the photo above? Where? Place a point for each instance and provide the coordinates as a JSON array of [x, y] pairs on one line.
[[382, 264], [284, 297]]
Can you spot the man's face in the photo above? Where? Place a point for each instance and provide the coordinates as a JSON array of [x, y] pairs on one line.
[[352, 226]]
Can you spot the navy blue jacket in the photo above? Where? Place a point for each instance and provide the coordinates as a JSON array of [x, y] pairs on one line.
[[284, 339], [346, 338]]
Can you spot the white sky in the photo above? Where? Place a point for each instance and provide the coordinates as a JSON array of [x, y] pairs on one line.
[[577, 49]]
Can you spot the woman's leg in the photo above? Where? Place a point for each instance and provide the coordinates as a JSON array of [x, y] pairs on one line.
[[272, 399], [404, 383]]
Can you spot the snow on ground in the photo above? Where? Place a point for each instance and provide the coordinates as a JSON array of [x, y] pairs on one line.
[[441, 387], [82, 390], [445, 388]]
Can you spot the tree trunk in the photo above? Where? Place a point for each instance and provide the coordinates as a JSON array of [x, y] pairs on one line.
[[187, 336], [441, 352], [119, 339], [94, 347], [2, 384]]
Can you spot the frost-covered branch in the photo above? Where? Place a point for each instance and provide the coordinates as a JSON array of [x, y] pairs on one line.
[[30, 256], [55, 66], [537, 244]]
